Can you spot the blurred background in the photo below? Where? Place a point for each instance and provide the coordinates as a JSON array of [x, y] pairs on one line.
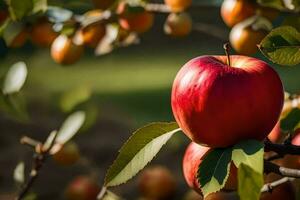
[[120, 92]]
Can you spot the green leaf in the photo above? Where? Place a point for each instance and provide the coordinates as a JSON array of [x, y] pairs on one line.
[[140, 149], [70, 127], [249, 183], [279, 4], [214, 170], [19, 173], [250, 153], [11, 30], [15, 78], [39, 6], [18, 9], [293, 21], [282, 46], [291, 120], [74, 97]]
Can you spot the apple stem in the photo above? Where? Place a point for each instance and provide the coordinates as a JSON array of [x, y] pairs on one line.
[[226, 47]]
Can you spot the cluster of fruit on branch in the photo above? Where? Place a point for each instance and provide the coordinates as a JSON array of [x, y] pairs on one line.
[[109, 25]]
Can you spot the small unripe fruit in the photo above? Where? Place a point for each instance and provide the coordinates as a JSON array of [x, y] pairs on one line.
[[178, 25], [92, 34], [178, 5], [157, 183], [65, 51], [193, 157], [67, 155], [103, 4], [42, 33], [244, 40], [235, 11], [134, 19], [82, 188], [20, 39]]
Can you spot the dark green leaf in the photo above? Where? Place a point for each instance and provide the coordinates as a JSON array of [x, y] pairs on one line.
[[12, 29], [282, 46], [250, 183], [19, 8], [291, 120], [140, 149], [214, 170]]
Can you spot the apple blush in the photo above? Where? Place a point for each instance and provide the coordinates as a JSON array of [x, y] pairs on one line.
[[219, 101]]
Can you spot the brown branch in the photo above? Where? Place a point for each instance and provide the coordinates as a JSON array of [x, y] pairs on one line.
[[39, 159], [212, 30], [282, 149], [283, 171], [270, 186]]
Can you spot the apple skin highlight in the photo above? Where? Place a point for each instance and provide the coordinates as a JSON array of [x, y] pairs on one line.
[[219, 105]]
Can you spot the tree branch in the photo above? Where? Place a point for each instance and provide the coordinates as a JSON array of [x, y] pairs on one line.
[[283, 171], [270, 186], [282, 149], [39, 159]]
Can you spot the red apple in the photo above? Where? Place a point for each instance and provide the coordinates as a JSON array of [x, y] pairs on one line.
[[220, 105], [82, 188], [193, 157], [157, 182]]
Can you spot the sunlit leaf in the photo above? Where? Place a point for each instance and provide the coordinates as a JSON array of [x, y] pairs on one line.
[[106, 45], [250, 153], [214, 170], [49, 141], [15, 78], [250, 183], [39, 6], [282, 46], [19, 173], [138, 151], [19, 9]]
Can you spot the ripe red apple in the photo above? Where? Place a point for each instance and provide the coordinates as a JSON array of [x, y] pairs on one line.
[[65, 51], [178, 5], [220, 105], [157, 182], [67, 155], [178, 24], [193, 157], [134, 18], [82, 188]]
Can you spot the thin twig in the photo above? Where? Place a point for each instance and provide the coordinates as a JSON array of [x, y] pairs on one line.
[[270, 186], [283, 171], [39, 159]]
